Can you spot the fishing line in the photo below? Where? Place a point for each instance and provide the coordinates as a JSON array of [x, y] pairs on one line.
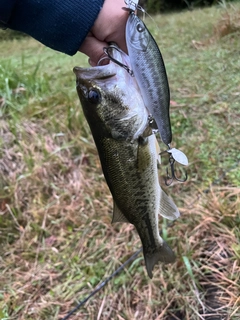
[[133, 6], [102, 284], [116, 272]]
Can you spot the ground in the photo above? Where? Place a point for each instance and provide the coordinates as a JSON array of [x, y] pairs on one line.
[[57, 241]]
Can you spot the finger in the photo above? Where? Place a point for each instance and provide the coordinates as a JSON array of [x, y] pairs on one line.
[[93, 48], [111, 22]]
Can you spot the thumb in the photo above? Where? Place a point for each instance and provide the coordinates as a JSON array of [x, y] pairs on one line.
[[93, 48]]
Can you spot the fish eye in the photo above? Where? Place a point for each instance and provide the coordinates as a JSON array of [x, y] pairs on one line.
[[94, 96], [140, 27]]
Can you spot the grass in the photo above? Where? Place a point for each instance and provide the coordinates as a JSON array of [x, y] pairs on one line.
[[57, 241]]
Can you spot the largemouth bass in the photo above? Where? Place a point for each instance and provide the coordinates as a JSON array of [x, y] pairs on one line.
[[149, 69], [118, 119]]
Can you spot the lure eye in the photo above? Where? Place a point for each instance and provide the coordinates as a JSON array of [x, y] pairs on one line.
[[94, 96], [140, 27]]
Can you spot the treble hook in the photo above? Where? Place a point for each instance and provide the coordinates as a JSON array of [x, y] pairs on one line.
[[169, 179], [106, 51]]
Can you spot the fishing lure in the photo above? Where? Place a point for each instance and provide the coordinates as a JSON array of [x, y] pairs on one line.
[[148, 67], [133, 5]]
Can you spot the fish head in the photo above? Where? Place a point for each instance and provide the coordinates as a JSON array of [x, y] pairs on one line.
[[92, 89], [137, 35], [101, 96], [110, 98]]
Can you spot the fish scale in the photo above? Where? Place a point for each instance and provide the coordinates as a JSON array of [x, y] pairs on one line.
[[149, 69]]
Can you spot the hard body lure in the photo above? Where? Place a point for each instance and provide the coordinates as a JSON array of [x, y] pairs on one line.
[[148, 67]]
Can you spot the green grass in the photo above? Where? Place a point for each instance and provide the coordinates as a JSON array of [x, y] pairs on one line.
[[56, 238]]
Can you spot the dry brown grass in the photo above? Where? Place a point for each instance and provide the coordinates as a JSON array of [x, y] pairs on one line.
[[61, 242], [227, 24]]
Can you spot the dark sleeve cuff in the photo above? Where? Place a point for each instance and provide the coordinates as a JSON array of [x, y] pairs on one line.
[[6, 7], [60, 25]]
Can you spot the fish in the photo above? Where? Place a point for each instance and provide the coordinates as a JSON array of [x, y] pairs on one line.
[[118, 119], [148, 67]]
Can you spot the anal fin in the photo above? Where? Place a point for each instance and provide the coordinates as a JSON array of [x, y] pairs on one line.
[[118, 216], [168, 209]]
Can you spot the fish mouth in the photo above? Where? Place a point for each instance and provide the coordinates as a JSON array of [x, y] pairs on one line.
[[102, 72], [96, 73]]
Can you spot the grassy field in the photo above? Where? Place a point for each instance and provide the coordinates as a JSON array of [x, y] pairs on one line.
[[56, 239]]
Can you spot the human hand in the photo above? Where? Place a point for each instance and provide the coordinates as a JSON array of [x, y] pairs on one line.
[[109, 26]]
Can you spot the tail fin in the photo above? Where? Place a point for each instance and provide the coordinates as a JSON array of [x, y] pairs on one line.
[[168, 209], [161, 253]]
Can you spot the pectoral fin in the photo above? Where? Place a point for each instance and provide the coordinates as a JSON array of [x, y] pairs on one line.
[[118, 215], [147, 132], [168, 209]]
